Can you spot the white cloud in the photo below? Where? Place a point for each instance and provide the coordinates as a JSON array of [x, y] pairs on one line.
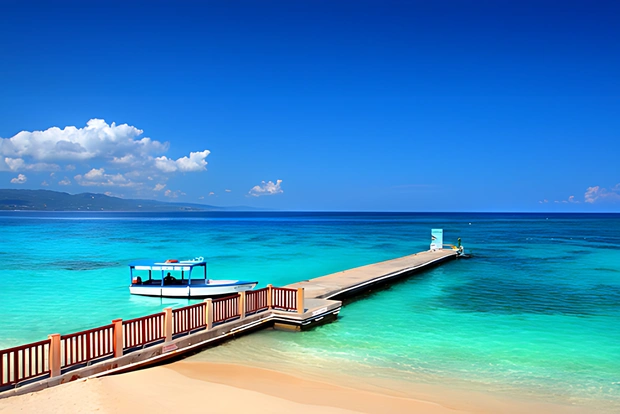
[[599, 194], [44, 184], [195, 162], [228, 191], [65, 181], [174, 194], [17, 164], [159, 187], [266, 188], [96, 140], [20, 179], [211, 194], [112, 146], [98, 177]]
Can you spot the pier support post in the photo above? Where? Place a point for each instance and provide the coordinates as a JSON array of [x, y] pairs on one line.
[[242, 305], [54, 355], [300, 300], [168, 324], [269, 296], [209, 313], [118, 337]]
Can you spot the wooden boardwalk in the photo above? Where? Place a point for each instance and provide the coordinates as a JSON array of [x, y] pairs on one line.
[[132, 344], [347, 283]]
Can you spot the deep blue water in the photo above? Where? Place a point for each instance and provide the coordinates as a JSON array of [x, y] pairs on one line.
[[535, 312]]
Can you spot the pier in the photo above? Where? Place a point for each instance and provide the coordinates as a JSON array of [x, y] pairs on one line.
[[348, 283], [125, 345]]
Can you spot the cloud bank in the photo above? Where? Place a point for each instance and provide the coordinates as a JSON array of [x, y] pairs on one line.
[[107, 154], [266, 188]]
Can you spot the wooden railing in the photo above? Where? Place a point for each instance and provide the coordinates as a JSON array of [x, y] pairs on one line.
[[284, 298], [189, 318], [58, 352], [83, 347], [256, 300], [24, 362], [142, 331], [225, 309]]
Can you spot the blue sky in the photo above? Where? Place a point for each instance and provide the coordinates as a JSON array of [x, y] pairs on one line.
[[316, 105]]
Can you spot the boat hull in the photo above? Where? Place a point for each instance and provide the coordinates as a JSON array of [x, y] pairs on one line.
[[193, 291]]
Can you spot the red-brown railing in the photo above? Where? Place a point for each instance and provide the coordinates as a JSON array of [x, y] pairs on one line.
[[33, 360], [225, 308], [256, 300], [144, 330], [82, 347], [188, 318], [24, 362], [284, 298]]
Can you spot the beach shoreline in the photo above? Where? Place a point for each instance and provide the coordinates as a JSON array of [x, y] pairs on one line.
[[193, 386]]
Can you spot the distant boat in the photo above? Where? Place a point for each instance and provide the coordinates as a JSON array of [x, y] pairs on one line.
[[180, 279]]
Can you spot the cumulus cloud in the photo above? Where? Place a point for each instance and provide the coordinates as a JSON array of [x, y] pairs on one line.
[[227, 190], [159, 187], [211, 194], [599, 194], [98, 177], [266, 188], [119, 154], [20, 179], [96, 140], [44, 184], [65, 181], [195, 162], [18, 164]]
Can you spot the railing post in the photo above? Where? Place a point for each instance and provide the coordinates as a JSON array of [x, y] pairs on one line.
[[300, 300], [168, 324], [209, 313], [269, 296], [118, 337], [54, 355], [242, 305]]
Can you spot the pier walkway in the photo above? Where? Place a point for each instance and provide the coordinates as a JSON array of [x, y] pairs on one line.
[[346, 284], [125, 345]]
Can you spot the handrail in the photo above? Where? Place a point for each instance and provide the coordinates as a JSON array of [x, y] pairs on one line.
[[24, 362], [59, 352], [284, 298], [144, 330], [256, 300], [189, 318], [82, 347], [225, 308]]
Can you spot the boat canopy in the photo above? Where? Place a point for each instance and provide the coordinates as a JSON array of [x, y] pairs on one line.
[[181, 265]]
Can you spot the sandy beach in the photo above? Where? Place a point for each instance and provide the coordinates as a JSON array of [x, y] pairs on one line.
[[198, 387]]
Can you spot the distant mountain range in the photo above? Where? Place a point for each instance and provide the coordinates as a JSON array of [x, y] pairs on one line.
[[45, 200]]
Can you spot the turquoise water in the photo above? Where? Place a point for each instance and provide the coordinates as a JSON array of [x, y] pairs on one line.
[[535, 312]]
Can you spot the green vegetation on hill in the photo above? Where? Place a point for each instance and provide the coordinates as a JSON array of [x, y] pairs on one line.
[[45, 200]]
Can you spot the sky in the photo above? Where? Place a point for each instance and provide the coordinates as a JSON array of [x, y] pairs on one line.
[[316, 105]]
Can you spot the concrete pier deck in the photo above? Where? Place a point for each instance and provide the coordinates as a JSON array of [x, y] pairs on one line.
[[345, 284]]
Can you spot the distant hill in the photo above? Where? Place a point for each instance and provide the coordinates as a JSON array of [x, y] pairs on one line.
[[45, 200]]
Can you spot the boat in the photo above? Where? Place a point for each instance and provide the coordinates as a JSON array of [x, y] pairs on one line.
[[180, 279]]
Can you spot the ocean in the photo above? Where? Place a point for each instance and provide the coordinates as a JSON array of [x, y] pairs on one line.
[[534, 313]]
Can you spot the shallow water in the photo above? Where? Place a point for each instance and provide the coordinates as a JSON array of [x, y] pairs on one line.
[[535, 312]]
